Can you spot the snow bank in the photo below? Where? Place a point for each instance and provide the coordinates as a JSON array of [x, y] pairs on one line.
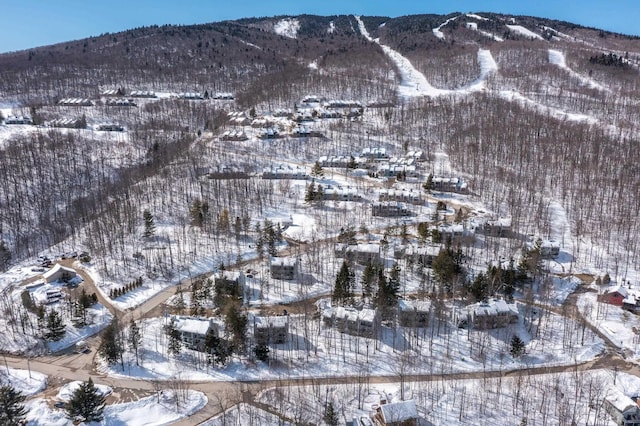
[[23, 381]]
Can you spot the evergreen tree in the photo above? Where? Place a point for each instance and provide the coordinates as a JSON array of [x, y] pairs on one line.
[[135, 339], [5, 256], [236, 323], [531, 261], [198, 212], [479, 287], [12, 411], [446, 266], [149, 224], [343, 288], [111, 348], [55, 326], [310, 194], [87, 403], [316, 170], [428, 185], [369, 279], [175, 340], [517, 347], [218, 350], [261, 352], [330, 416], [352, 163]]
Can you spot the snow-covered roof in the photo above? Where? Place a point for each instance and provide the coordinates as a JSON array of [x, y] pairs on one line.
[[57, 268], [364, 248], [492, 308], [284, 261], [396, 412], [271, 322], [617, 289], [194, 325], [619, 400]]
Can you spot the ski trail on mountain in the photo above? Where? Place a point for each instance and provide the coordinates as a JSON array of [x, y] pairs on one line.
[[557, 58], [437, 31], [414, 84]]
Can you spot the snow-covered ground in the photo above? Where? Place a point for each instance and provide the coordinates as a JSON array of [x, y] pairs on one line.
[[245, 414], [156, 410], [438, 30], [24, 381]]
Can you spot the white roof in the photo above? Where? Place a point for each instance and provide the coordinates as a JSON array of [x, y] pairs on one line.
[[619, 289], [193, 325], [399, 411], [493, 307], [275, 321], [364, 248], [284, 261], [57, 267], [619, 400]]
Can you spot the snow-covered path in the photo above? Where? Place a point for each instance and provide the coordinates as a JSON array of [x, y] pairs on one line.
[[556, 57], [437, 31]]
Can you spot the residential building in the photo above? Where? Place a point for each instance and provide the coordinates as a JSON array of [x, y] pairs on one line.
[[59, 273], [414, 313], [403, 413], [284, 268], [271, 329], [623, 409], [363, 322], [493, 313], [193, 330]]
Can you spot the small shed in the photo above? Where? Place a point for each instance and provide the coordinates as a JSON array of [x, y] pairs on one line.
[[403, 413]]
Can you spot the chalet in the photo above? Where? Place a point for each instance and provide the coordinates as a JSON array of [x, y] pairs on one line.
[[270, 133], [191, 96], [623, 409], [120, 102], [328, 113], [223, 96], [362, 322], [59, 273], [493, 313], [231, 282], [403, 413], [389, 209], [401, 195], [282, 112], [550, 249], [24, 119], [376, 154], [69, 123], [234, 135], [413, 313], [617, 295], [301, 132], [419, 255], [238, 118], [362, 254], [311, 99], [75, 102], [112, 92], [143, 94], [393, 170], [417, 155], [340, 103], [339, 193], [500, 227], [285, 172], [449, 184], [340, 161], [271, 330], [304, 116], [110, 127], [284, 268], [193, 330]]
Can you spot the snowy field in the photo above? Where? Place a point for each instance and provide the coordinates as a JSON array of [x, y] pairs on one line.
[[149, 411], [24, 381], [245, 415]]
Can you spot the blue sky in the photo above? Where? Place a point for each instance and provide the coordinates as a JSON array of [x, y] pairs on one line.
[[31, 23]]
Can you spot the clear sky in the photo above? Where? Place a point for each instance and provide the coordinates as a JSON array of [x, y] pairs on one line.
[[31, 23]]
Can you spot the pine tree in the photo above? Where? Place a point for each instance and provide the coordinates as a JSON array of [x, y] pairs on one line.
[[236, 322], [135, 339], [330, 416], [149, 224], [261, 352], [343, 288], [310, 194], [5, 256], [87, 403], [517, 347], [218, 350], [428, 185], [111, 348], [175, 341], [55, 326], [317, 170], [12, 411], [369, 276]]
